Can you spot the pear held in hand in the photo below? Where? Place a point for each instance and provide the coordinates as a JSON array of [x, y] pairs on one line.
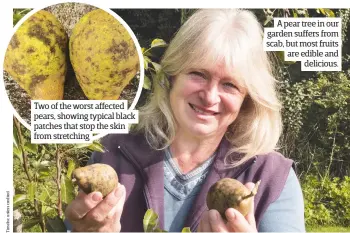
[[230, 193], [96, 178]]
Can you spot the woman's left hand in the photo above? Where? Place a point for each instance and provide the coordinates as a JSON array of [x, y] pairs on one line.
[[212, 221]]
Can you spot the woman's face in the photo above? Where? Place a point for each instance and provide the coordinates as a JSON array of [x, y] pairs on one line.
[[205, 101]]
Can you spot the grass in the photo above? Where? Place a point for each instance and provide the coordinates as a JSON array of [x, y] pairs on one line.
[[327, 229]]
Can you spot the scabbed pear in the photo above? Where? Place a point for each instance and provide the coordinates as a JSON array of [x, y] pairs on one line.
[[103, 55], [230, 193], [96, 177], [36, 57]]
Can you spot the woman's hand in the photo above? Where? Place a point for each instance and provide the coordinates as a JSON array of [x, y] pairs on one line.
[[212, 221], [92, 213]]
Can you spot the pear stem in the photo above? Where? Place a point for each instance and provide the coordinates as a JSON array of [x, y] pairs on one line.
[[253, 192]]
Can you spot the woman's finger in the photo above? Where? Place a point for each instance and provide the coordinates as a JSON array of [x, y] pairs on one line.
[[217, 224], [204, 225], [237, 222], [117, 210], [102, 210], [82, 204]]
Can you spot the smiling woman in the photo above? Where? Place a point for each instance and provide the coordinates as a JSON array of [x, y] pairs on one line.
[[222, 46], [205, 104], [214, 113]]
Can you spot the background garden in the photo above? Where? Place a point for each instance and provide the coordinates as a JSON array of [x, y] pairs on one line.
[[316, 117]]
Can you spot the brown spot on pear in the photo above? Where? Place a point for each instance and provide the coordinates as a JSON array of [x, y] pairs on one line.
[[96, 178], [230, 193]]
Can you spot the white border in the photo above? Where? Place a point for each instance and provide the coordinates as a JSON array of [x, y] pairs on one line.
[[6, 115], [6, 32]]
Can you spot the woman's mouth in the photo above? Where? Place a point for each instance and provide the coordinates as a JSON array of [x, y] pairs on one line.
[[203, 111]]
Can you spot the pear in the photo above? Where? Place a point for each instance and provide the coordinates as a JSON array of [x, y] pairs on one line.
[[36, 57], [103, 55], [230, 193], [97, 177]]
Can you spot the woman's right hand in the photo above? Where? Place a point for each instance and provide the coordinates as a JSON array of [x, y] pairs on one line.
[[92, 213]]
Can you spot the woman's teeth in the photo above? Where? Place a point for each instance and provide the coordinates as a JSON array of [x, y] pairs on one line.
[[197, 110], [201, 111]]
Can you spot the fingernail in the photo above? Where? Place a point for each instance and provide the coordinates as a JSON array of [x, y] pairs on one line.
[[97, 196], [230, 214], [118, 192]]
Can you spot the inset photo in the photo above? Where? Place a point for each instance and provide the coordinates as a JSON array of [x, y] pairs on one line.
[[71, 51]]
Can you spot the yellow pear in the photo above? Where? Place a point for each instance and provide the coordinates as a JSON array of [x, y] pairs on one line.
[[97, 177], [103, 55], [36, 57]]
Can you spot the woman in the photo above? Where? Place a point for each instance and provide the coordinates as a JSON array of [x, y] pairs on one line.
[[214, 113]]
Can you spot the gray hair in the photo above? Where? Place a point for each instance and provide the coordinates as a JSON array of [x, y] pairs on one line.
[[208, 36]]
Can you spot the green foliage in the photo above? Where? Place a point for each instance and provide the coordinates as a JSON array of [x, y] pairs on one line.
[[267, 15], [327, 229], [270, 14], [327, 201], [67, 190], [152, 23], [95, 146], [186, 229], [152, 67], [316, 117], [43, 184], [151, 58], [296, 99], [18, 199], [185, 14], [18, 14], [150, 223], [55, 225]]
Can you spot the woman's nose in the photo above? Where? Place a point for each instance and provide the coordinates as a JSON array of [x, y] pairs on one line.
[[210, 95]]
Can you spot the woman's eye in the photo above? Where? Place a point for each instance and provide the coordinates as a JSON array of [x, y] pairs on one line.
[[230, 85], [199, 74]]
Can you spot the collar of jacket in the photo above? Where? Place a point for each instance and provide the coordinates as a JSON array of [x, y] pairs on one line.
[[150, 164]]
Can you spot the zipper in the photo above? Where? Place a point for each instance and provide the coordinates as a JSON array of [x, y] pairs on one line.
[[129, 158]]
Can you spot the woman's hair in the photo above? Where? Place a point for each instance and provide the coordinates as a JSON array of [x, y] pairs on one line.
[[232, 37]]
